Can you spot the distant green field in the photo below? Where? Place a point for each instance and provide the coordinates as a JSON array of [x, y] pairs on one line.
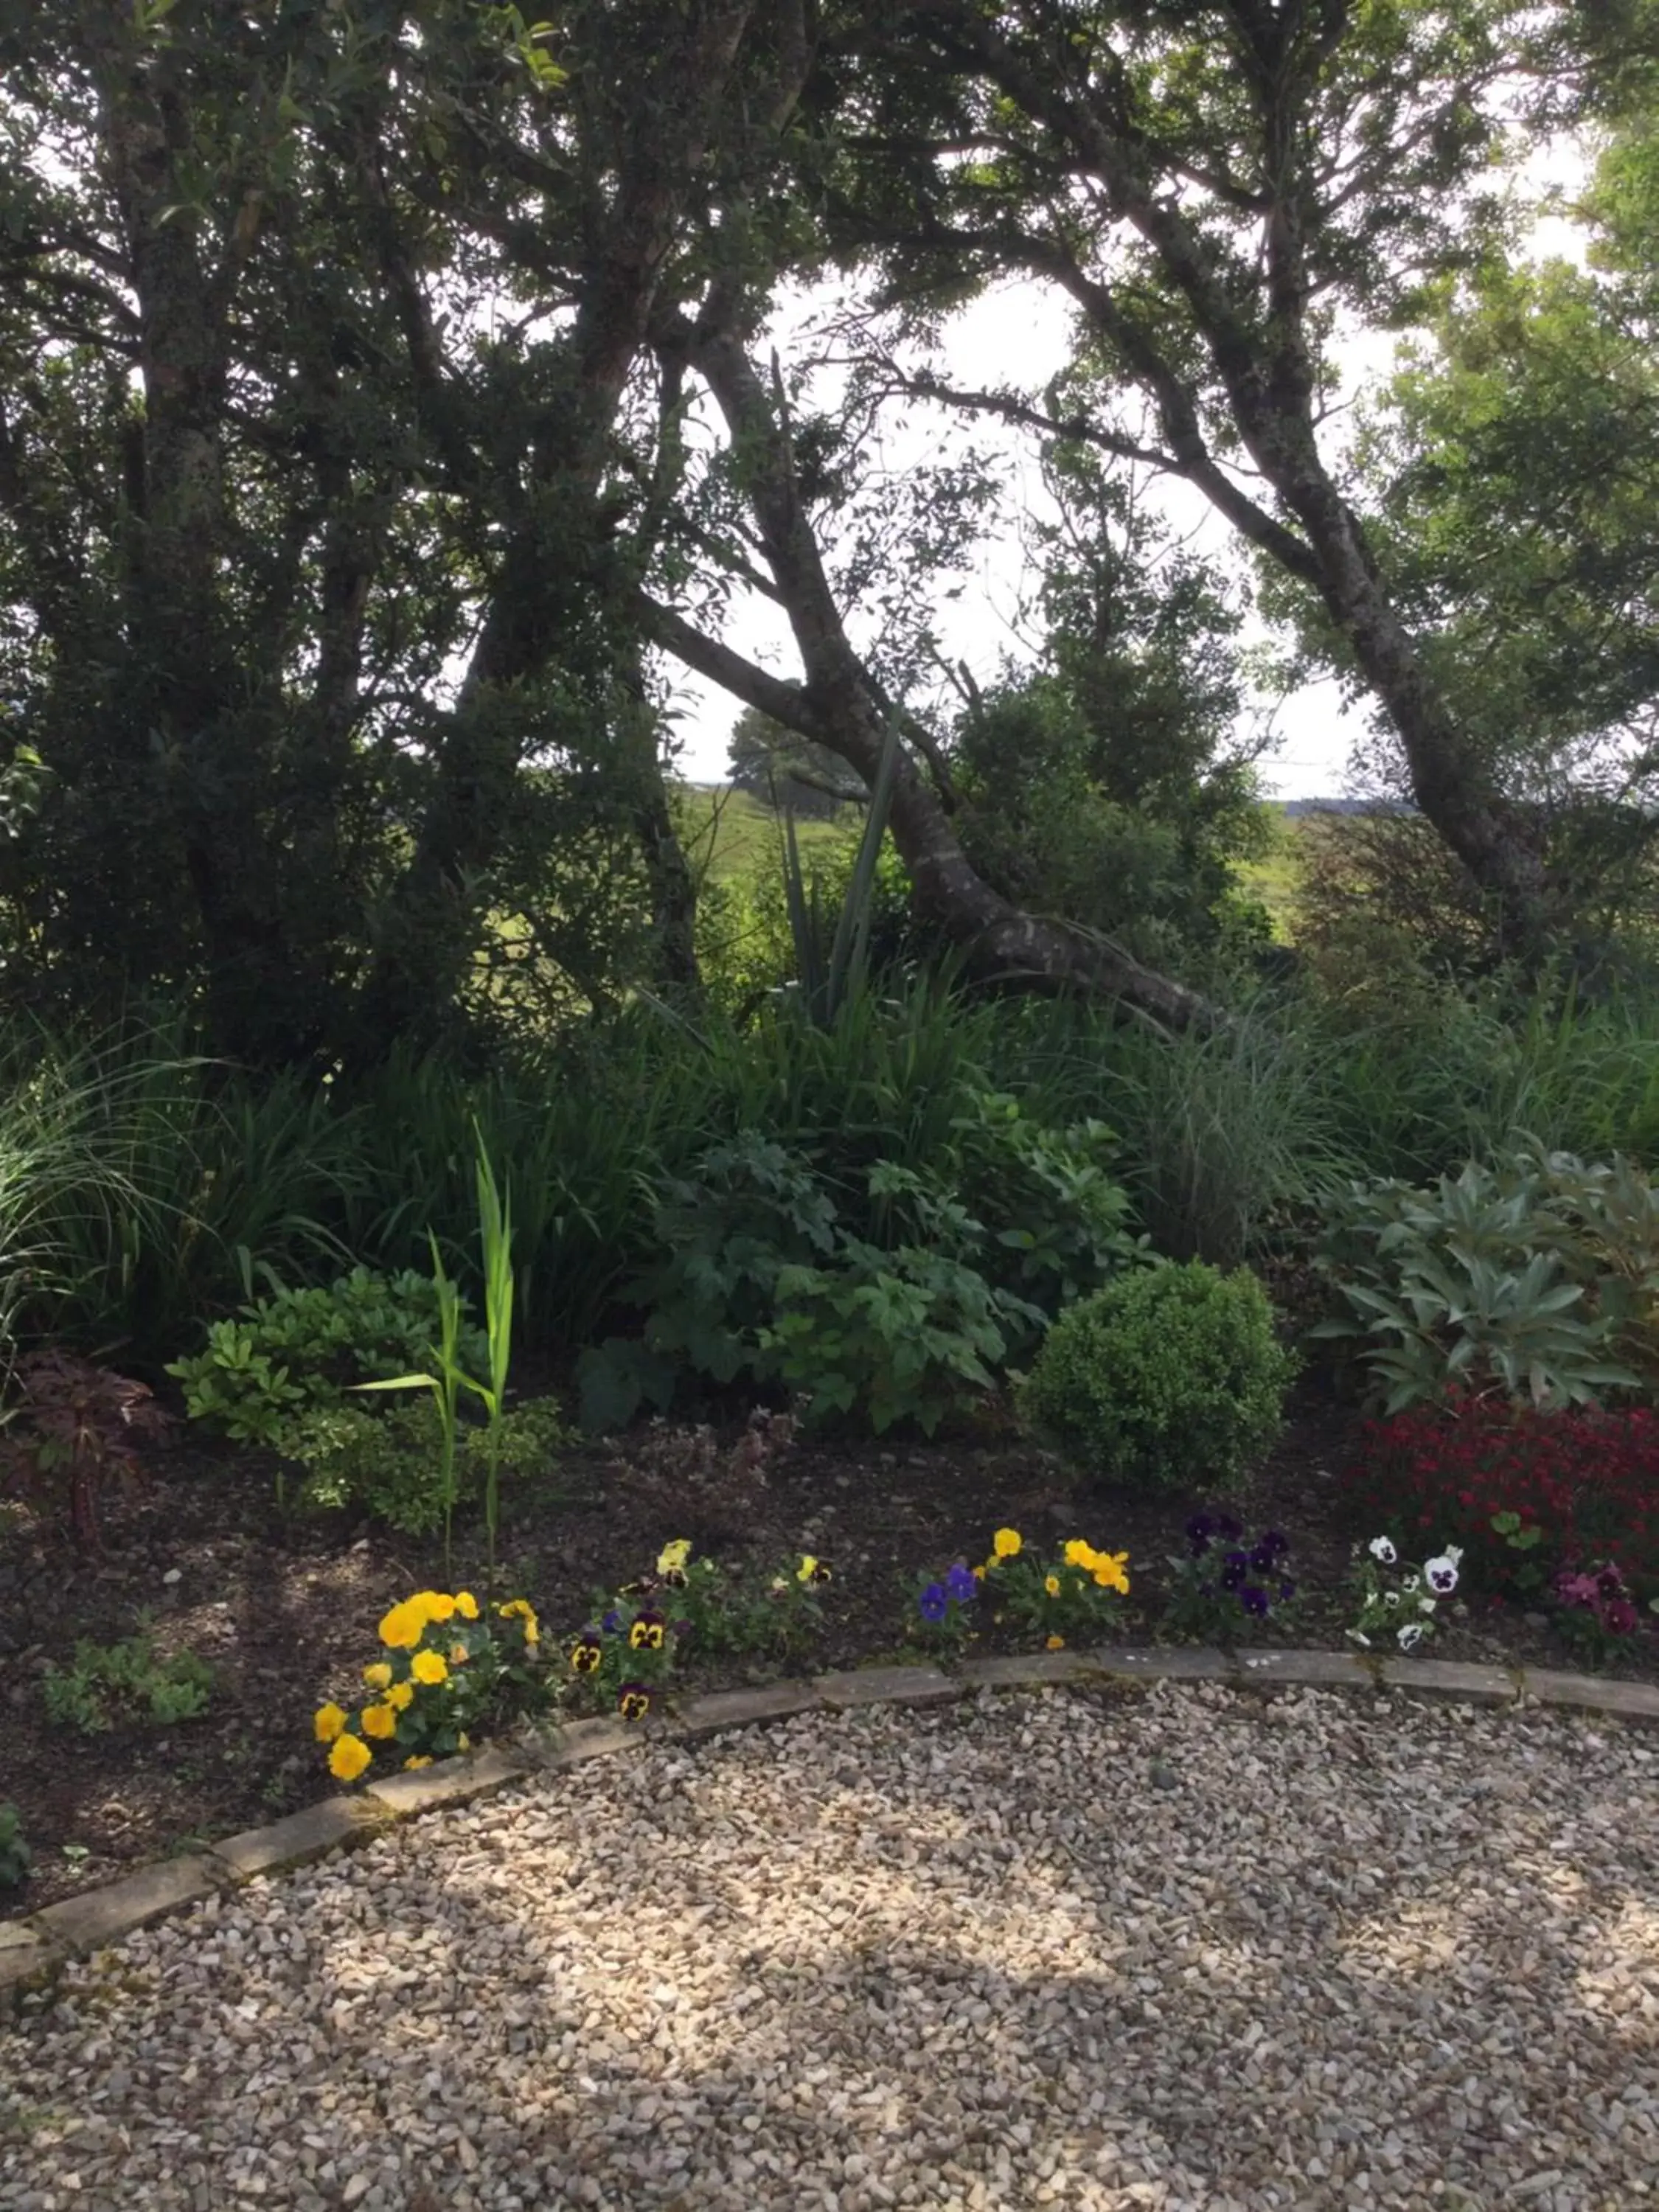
[[1276, 878], [731, 834]]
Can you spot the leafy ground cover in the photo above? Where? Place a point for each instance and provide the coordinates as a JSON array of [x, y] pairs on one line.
[[199, 1560]]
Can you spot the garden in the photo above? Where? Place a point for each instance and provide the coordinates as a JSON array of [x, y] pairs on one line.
[[624, 1408], [553, 1158]]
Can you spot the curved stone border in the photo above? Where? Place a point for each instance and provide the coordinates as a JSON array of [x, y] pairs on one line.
[[34, 1950]]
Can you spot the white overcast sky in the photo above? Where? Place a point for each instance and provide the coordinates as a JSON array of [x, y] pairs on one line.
[[1018, 334]]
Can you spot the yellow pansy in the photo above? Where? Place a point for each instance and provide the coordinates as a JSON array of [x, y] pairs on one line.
[[439, 1605], [330, 1720], [671, 1559], [1080, 1554], [379, 1676], [466, 1605], [429, 1666], [1008, 1543], [400, 1696], [379, 1721], [424, 1758], [1056, 1643], [402, 1628], [1051, 1583], [348, 1758], [1109, 1570], [458, 1654]]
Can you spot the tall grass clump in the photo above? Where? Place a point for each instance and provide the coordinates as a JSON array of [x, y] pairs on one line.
[[1451, 1078], [1223, 1135]]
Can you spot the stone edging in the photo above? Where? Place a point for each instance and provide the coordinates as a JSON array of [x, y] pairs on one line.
[[34, 1950]]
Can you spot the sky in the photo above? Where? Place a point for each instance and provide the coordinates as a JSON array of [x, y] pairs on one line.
[[1017, 334]]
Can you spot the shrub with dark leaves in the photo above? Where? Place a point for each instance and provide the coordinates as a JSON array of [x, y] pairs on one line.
[[74, 1433]]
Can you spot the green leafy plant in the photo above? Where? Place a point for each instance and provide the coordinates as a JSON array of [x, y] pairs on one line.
[[112, 1682], [450, 1667], [1165, 1377], [1525, 1539], [393, 1464], [1059, 1222], [74, 1432], [906, 1335], [828, 977], [1536, 1279], [298, 1349], [15, 1857], [454, 1374]]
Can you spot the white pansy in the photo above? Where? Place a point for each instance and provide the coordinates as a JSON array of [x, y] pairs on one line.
[[1411, 1634], [1441, 1574], [1390, 1598], [1382, 1549]]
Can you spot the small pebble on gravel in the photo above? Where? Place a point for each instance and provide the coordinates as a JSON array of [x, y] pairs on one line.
[[1385, 1954]]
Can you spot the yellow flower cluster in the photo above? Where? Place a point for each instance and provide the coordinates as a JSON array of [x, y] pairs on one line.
[[402, 1630], [404, 1626], [1110, 1569]]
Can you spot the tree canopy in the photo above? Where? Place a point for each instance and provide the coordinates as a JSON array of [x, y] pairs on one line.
[[389, 408]]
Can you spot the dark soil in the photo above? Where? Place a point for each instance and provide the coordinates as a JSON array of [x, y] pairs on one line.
[[286, 1612]]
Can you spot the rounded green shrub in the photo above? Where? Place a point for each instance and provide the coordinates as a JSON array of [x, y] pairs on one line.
[[1170, 1377]]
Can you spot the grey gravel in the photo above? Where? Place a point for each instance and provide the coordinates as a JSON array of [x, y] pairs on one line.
[[1344, 1955]]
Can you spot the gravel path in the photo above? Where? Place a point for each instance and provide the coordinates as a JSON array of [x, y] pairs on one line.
[[1191, 1951]]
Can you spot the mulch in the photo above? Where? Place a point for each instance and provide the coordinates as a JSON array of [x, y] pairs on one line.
[[285, 1610]]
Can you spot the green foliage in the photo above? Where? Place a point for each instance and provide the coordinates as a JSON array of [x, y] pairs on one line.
[[869, 1287], [15, 1857], [1537, 1278], [391, 1464], [1222, 1137], [832, 971], [112, 1683], [903, 1335], [1170, 1377], [298, 1349]]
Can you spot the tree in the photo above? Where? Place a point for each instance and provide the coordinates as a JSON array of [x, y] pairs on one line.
[[773, 761], [259, 493], [1509, 475], [1108, 785], [1211, 185]]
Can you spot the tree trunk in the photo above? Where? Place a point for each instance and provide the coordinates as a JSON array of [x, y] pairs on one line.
[[546, 570], [837, 706], [180, 678]]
